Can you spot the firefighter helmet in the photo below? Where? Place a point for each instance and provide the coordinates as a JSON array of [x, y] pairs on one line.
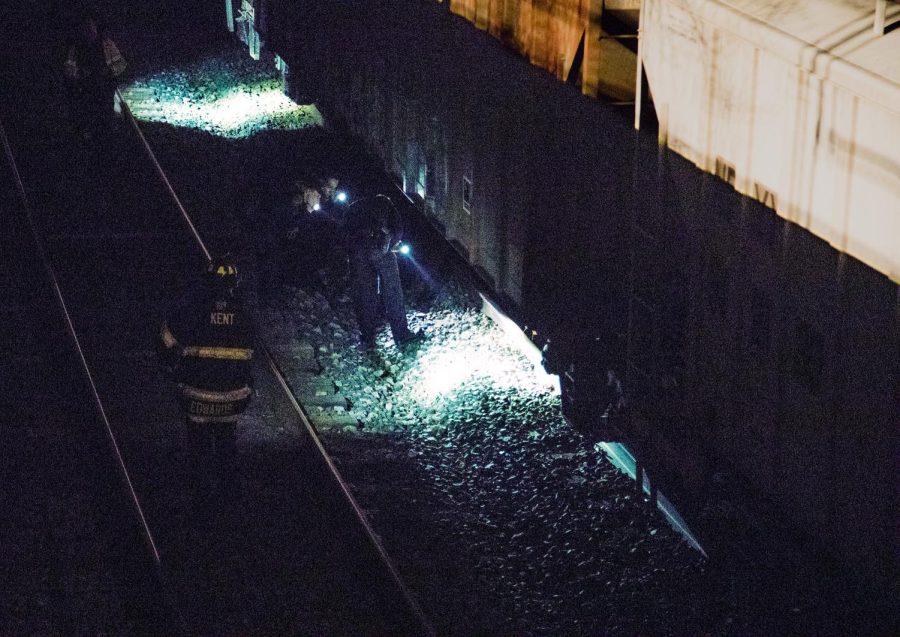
[[223, 272]]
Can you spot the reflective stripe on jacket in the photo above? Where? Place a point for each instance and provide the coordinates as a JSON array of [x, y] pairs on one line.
[[211, 396], [207, 406], [221, 353], [208, 339], [202, 351]]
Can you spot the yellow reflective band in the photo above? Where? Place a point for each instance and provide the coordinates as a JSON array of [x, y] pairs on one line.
[[224, 353], [201, 420], [210, 396], [167, 338]]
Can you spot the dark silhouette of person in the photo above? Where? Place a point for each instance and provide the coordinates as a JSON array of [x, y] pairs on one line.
[[299, 241], [373, 231], [93, 62]]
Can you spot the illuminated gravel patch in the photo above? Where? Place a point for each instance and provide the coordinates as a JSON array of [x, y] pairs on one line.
[[471, 351], [226, 95], [461, 440]]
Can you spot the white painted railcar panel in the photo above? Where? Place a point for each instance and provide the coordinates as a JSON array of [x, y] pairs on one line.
[[796, 103]]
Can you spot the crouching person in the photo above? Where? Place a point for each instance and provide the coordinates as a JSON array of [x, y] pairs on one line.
[[209, 342]]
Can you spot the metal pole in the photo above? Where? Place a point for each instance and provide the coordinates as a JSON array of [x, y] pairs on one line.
[[229, 16], [639, 85], [880, 9]]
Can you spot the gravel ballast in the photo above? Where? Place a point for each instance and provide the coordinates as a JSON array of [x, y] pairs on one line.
[[463, 457]]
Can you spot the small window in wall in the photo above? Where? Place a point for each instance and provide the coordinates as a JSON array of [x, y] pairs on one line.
[[253, 45], [467, 195], [399, 140], [398, 162], [422, 179]]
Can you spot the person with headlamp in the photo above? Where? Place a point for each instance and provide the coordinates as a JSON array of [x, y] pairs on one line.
[[373, 232], [290, 242]]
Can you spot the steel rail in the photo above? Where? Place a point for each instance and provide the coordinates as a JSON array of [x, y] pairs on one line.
[[385, 557], [348, 494], [54, 282], [162, 174]]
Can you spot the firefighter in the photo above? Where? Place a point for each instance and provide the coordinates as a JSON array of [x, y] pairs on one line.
[[373, 232], [93, 65], [209, 342]]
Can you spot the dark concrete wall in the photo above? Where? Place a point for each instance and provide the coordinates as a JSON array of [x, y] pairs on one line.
[[759, 353]]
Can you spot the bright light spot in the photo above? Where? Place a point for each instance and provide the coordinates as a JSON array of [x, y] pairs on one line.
[[464, 355], [453, 370], [236, 112], [242, 107], [316, 206], [404, 249], [448, 367], [341, 196], [517, 339]]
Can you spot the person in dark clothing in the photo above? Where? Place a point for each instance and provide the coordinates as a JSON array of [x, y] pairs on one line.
[[278, 239], [373, 232], [332, 200], [334, 204], [93, 62], [208, 340], [318, 235], [298, 243]]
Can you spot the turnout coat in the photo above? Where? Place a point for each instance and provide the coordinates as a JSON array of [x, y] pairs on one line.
[[209, 341]]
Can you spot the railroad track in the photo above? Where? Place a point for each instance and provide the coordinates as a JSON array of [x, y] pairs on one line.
[[286, 555], [67, 467], [312, 563], [317, 391]]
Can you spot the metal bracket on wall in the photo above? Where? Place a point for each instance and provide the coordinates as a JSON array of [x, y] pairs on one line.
[[880, 10]]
